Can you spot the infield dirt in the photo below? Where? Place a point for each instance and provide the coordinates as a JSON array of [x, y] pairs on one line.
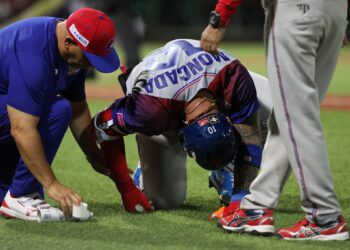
[[109, 93]]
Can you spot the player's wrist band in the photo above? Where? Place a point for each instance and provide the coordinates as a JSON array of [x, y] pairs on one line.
[[239, 194], [215, 19], [249, 154]]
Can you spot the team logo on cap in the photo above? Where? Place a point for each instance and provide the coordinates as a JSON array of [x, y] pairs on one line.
[[109, 45], [83, 41], [213, 119]]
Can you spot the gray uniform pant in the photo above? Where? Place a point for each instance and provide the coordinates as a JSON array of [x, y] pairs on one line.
[[163, 160], [304, 41]]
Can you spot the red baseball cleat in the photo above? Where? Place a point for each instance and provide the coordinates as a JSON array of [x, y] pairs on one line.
[[225, 211], [254, 221], [305, 230]]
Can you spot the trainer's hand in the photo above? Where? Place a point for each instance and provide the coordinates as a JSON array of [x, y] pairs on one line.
[[211, 38], [66, 197], [133, 199]]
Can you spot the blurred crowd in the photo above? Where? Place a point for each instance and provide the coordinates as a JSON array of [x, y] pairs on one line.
[[129, 23], [9, 8], [166, 19]]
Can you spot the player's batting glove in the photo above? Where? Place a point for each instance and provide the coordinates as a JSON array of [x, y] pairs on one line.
[[133, 199]]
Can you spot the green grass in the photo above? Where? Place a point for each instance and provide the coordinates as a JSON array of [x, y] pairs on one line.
[[185, 228], [252, 55]]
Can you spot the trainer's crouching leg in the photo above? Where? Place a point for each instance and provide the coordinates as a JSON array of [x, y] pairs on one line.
[[53, 124]]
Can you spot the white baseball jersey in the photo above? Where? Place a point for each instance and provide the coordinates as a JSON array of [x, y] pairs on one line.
[[178, 70], [159, 87], [157, 91]]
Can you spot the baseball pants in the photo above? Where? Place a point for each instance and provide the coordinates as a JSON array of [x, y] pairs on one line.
[[14, 175], [304, 41]]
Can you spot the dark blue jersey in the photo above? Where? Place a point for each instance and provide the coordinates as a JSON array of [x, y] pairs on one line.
[[31, 68]]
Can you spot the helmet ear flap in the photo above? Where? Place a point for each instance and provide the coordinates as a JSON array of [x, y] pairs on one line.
[[210, 140]]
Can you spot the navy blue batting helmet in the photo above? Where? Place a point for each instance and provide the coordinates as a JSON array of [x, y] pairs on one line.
[[210, 140]]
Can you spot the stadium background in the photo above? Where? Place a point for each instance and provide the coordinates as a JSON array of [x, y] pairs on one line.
[[165, 18]]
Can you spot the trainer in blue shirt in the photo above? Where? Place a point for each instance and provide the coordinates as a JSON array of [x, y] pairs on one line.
[[43, 62]]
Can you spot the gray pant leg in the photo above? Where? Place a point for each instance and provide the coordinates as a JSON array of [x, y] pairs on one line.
[[293, 57], [163, 163], [275, 170], [269, 9], [328, 51]]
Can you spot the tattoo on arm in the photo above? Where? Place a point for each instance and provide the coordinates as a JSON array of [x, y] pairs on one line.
[[250, 130], [244, 176], [251, 134]]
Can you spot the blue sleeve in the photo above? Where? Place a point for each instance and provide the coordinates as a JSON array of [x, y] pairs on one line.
[[245, 101], [140, 113], [29, 82], [76, 90]]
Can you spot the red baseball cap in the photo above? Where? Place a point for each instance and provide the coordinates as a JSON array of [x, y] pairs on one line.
[[94, 33]]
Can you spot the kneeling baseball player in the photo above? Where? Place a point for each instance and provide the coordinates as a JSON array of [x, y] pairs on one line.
[[180, 97]]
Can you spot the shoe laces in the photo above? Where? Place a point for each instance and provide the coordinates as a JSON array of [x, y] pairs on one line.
[[34, 202], [303, 222]]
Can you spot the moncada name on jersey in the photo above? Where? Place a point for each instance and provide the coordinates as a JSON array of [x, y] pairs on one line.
[[172, 73]]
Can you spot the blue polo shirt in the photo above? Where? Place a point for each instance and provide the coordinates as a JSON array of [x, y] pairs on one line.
[[31, 69]]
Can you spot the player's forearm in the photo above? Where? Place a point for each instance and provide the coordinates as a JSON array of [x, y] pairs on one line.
[[112, 148], [250, 130], [114, 152], [244, 176], [31, 149], [248, 158]]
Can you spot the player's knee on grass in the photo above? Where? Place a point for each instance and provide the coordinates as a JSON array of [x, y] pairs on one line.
[[168, 200], [167, 203]]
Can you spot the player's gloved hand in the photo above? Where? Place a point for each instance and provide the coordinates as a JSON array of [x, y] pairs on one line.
[[66, 197], [225, 211], [133, 199]]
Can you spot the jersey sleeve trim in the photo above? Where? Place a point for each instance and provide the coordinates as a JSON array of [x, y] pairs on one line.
[[246, 111]]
